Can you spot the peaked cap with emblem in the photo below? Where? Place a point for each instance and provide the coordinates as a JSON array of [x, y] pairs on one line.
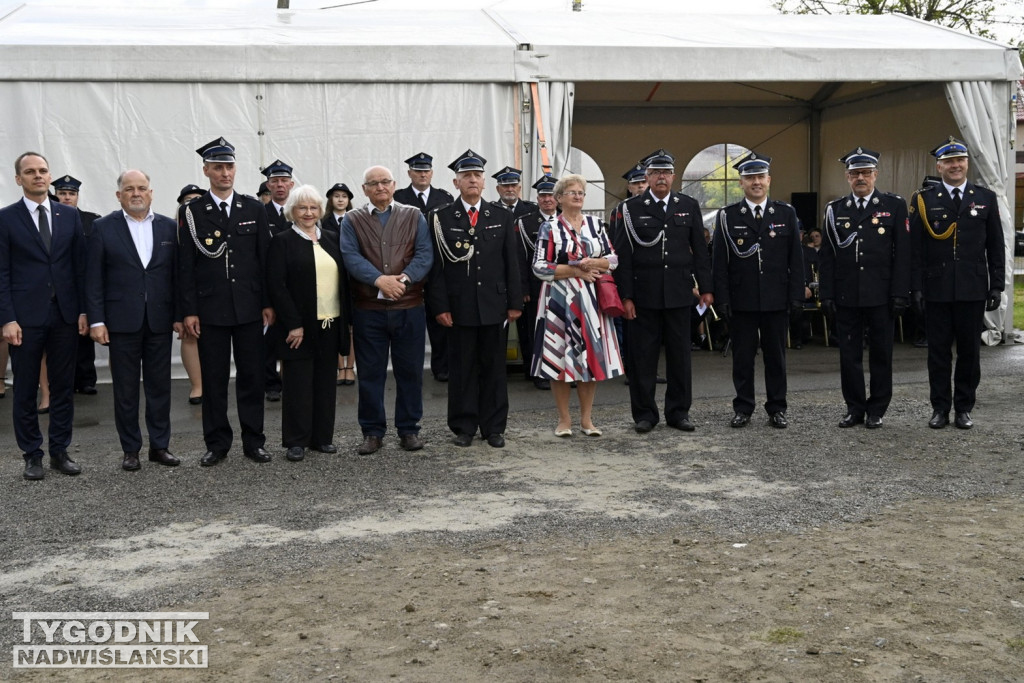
[[420, 162], [468, 161], [67, 183], [950, 149], [753, 164], [217, 151], [508, 176], [660, 161], [277, 169], [545, 184], [860, 158], [635, 174]]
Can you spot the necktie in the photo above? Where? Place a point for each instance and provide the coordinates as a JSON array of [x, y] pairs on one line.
[[44, 228], [472, 216], [423, 198], [664, 206], [224, 211], [757, 213], [860, 203], [956, 198]]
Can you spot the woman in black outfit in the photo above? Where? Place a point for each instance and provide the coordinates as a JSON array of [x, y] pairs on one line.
[[307, 291]]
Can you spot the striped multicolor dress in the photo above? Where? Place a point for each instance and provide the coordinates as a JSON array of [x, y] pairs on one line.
[[574, 341]]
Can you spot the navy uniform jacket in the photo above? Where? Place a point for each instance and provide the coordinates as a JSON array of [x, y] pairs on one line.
[[120, 292], [228, 289], [522, 208], [526, 228], [88, 218], [276, 220], [435, 200], [660, 276], [770, 277], [972, 261], [874, 267], [29, 276], [483, 289]]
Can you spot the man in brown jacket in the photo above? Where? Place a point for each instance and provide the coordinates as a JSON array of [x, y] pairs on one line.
[[387, 252]]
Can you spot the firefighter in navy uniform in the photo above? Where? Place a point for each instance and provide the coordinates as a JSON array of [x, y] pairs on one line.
[[222, 244], [958, 270], [865, 284], [510, 186], [659, 238], [68, 188], [280, 183], [475, 291], [759, 283], [527, 227], [426, 197]]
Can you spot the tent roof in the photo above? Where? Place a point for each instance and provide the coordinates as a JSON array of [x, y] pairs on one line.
[[507, 43]]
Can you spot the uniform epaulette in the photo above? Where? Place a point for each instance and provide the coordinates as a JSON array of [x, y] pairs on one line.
[[781, 203], [893, 195]]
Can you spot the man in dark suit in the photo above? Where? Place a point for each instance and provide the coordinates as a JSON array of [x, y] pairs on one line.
[[223, 238], [130, 293], [758, 278], [42, 266], [865, 284], [527, 228], [68, 190], [510, 188], [958, 269], [659, 238], [475, 290], [426, 198], [280, 184]]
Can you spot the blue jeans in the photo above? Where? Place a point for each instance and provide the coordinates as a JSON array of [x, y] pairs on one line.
[[402, 334]]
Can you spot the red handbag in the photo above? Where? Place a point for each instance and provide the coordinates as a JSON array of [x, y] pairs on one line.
[[608, 296]]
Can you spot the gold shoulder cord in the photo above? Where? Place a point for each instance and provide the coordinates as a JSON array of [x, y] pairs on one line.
[[923, 210]]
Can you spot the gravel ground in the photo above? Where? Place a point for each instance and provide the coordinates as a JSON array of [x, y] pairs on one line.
[[757, 554]]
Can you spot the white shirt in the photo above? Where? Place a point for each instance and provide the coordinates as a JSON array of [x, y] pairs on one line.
[[425, 193], [142, 236], [950, 188], [280, 209], [217, 201], [470, 206], [763, 205], [33, 210]]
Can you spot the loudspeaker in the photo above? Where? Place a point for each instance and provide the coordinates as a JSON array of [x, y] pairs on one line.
[[806, 205]]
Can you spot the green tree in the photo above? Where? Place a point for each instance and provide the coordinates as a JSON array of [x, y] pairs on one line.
[[974, 16]]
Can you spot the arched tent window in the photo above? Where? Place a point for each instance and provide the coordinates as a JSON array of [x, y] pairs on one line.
[[712, 181]]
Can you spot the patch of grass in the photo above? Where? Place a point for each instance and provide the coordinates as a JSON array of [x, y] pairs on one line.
[[784, 636], [1016, 644]]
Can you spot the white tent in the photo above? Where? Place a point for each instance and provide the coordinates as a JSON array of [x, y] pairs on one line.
[[332, 91]]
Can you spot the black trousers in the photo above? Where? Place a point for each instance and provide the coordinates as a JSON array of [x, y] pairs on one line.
[[271, 341], [215, 347], [526, 326], [438, 335], [647, 333], [478, 386], [85, 363], [59, 341], [149, 352], [960, 322], [745, 329], [851, 323], [310, 392]]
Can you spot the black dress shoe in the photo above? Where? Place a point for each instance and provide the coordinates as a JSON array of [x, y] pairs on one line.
[[131, 462], [542, 384], [778, 420], [295, 453], [274, 395], [739, 420], [963, 421], [643, 426], [34, 468], [660, 380], [874, 422], [326, 448], [463, 440], [195, 400], [257, 455], [410, 442], [939, 420], [371, 444], [441, 376], [212, 458], [851, 420], [163, 456], [88, 391], [60, 461], [682, 423], [496, 441], [43, 411]]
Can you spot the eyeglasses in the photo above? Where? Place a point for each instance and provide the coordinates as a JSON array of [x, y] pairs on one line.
[[861, 173], [377, 183], [656, 173], [574, 193]]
